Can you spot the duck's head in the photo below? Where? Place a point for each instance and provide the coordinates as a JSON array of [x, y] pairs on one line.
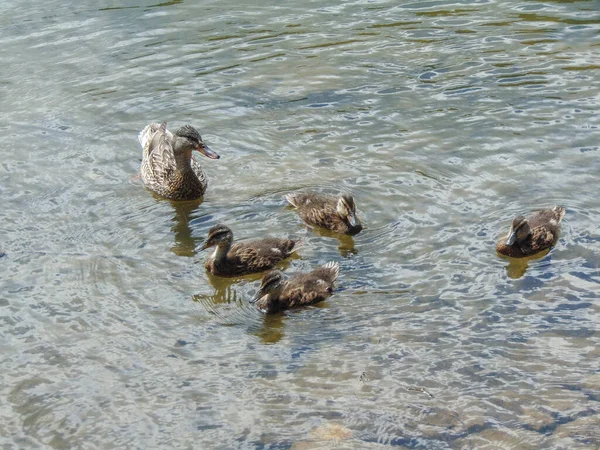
[[519, 230], [217, 235], [188, 138], [270, 288], [347, 210]]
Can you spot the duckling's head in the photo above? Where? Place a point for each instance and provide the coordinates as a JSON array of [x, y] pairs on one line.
[[519, 230], [269, 290], [347, 210], [218, 235], [188, 138]]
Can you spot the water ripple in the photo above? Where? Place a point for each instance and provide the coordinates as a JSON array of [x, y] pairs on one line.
[[444, 119]]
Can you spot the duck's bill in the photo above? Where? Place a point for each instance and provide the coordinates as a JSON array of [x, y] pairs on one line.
[[204, 246], [206, 151], [352, 220], [257, 297], [512, 237]]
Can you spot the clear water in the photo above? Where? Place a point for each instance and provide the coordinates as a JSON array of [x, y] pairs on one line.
[[443, 118]]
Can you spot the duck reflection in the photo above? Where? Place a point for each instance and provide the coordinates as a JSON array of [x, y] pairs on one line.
[[517, 267], [346, 242], [185, 244], [222, 284], [271, 331], [232, 308]]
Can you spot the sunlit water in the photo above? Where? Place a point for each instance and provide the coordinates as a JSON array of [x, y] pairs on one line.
[[443, 119]]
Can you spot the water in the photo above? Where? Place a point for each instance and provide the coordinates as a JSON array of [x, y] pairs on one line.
[[443, 119]]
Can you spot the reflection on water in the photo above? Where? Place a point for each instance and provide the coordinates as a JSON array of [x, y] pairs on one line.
[[233, 308], [223, 284], [185, 244], [346, 243], [272, 330], [517, 266], [443, 120]]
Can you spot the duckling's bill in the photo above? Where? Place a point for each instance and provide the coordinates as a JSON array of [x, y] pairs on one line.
[[512, 236], [353, 220], [257, 296]]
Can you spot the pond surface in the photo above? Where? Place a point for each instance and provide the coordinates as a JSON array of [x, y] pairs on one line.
[[443, 119]]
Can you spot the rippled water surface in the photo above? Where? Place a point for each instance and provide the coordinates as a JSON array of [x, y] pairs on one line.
[[444, 120]]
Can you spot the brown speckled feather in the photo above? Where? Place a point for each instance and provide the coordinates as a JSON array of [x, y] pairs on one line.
[[251, 257], [321, 210], [159, 169], [545, 227], [302, 289]]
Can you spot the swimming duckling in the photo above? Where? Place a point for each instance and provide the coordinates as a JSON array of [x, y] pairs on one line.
[[301, 289], [245, 257], [528, 236], [334, 213], [167, 164]]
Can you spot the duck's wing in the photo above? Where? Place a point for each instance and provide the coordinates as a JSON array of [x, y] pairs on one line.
[[315, 209], [199, 172], [311, 287], [299, 295], [542, 237], [309, 200], [547, 218], [305, 289], [275, 247], [158, 151], [259, 255], [145, 136]]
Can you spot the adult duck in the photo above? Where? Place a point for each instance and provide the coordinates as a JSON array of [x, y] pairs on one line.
[[243, 258], [168, 168], [531, 235]]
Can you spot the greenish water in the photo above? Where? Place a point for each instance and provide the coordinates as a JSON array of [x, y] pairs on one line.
[[443, 119]]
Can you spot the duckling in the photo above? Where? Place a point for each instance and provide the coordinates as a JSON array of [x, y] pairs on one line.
[[167, 164], [245, 257], [337, 214], [528, 236], [301, 289]]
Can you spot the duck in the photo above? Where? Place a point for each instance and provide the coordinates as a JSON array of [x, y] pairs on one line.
[[277, 293], [168, 168], [337, 214], [531, 235], [247, 257]]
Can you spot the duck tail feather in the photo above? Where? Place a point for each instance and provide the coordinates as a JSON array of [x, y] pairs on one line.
[[291, 199], [298, 245], [146, 135], [334, 267], [560, 212]]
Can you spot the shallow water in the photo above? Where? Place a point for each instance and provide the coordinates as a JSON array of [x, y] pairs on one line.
[[443, 119]]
